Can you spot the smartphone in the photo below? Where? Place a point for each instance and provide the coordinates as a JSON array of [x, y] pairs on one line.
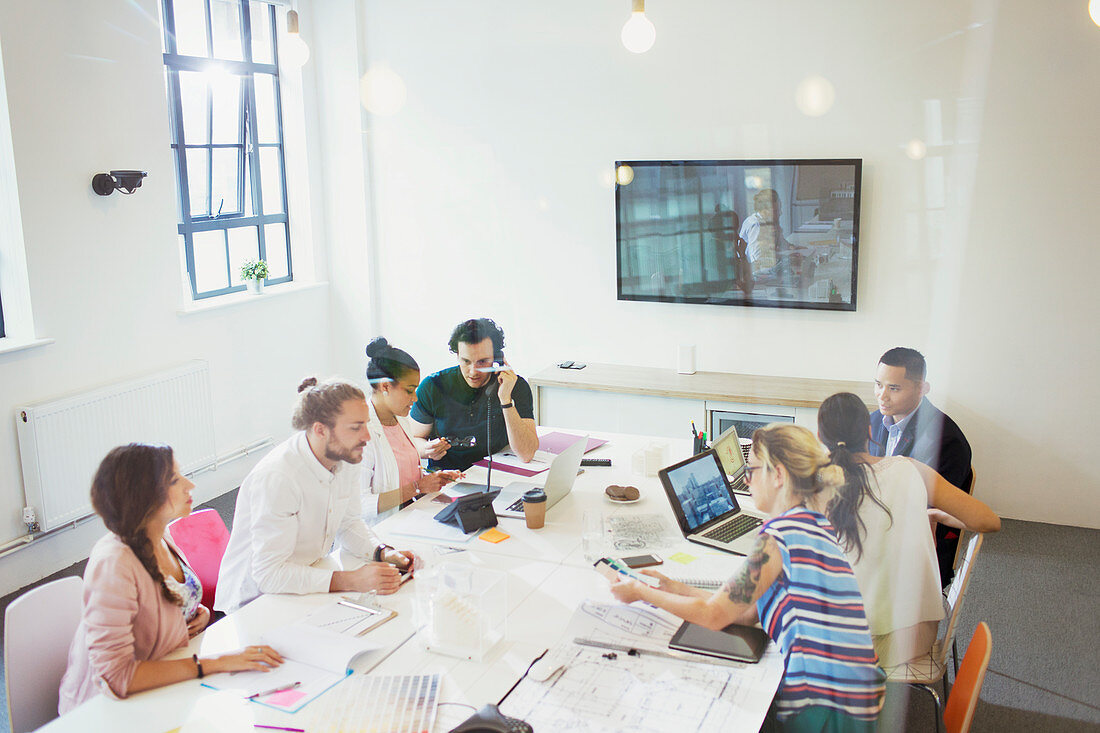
[[642, 561]]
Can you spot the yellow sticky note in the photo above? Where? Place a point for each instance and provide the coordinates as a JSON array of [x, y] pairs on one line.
[[682, 557], [493, 535]]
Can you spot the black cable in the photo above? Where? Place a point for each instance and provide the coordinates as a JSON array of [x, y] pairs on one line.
[[489, 433]]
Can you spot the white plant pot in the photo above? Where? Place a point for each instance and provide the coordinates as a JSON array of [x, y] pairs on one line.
[[256, 287]]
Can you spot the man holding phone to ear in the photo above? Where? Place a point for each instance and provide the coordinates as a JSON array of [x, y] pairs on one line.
[[481, 398]]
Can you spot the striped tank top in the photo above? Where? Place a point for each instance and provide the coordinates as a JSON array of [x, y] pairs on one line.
[[814, 613]]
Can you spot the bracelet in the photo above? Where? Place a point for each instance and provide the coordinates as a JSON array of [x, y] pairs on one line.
[[198, 665], [510, 404]]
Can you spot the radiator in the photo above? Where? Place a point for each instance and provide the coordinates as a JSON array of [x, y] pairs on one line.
[[61, 442]]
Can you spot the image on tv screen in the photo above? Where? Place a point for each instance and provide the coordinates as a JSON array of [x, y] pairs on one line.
[[773, 233]]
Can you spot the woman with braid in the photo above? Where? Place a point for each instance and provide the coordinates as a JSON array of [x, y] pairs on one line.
[[798, 584], [882, 515], [141, 600]]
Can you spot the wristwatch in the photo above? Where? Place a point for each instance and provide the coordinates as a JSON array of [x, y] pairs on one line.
[[380, 552], [510, 404]]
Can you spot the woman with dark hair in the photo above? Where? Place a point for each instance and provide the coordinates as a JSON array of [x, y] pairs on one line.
[[394, 476], [798, 584], [881, 515], [141, 600]]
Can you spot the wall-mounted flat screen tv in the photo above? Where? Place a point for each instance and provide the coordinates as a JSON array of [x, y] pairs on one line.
[[773, 233]]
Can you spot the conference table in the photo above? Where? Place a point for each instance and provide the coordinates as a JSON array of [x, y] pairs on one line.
[[546, 574]]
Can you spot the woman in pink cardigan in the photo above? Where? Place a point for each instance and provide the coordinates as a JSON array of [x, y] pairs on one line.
[[141, 600]]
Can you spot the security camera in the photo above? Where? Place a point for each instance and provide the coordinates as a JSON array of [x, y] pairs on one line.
[[126, 181]]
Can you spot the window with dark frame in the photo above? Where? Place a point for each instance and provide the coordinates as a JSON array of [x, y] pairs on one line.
[[221, 67]]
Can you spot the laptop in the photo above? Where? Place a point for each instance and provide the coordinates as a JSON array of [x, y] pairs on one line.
[[559, 482], [732, 454], [705, 506]]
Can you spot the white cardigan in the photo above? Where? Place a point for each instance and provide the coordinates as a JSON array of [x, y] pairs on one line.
[[380, 473]]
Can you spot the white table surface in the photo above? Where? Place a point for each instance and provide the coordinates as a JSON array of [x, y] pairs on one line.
[[547, 578]]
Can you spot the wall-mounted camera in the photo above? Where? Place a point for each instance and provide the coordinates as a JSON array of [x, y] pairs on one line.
[[126, 181]]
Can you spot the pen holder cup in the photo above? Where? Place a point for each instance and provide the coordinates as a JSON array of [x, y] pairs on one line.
[[461, 610]]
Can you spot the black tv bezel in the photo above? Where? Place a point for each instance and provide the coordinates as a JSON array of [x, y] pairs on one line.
[[746, 302]]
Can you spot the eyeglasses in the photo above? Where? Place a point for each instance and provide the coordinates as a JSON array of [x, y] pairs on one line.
[[750, 470]]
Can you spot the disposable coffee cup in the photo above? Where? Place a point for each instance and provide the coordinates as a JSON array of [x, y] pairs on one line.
[[534, 508]]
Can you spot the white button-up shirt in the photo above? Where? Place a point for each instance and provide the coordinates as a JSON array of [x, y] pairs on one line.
[[290, 512]]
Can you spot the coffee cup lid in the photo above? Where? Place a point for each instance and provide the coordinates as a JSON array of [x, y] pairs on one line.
[[534, 496]]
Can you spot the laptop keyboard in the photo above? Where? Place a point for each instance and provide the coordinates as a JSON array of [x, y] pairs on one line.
[[516, 506], [732, 530], [739, 486]]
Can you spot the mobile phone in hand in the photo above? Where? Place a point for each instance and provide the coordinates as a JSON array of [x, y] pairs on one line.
[[642, 561]]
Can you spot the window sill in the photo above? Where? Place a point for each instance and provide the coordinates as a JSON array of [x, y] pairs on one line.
[[236, 299], [9, 344]]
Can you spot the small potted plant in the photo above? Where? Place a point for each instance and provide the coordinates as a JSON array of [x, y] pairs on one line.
[[254, 272]]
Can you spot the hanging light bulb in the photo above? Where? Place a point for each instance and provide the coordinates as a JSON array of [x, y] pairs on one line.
[[1094, 11], [295, 52], [638, 33]]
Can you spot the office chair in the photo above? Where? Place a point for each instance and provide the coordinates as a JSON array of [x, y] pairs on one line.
[[202, 537], [923, 673], [961, 703], [38, 630]]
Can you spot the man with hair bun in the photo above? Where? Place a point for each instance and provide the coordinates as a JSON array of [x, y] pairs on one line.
[[300, 500], [481, 398]]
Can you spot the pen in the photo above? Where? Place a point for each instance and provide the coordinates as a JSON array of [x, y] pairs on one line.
[[278, 727], [356, 606], [273, 690], [693, 428]]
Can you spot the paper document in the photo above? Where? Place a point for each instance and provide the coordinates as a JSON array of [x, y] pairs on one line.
[[316, 659], [351, 617], [635, 626], [597, 691], [511, 463], [421, 525]]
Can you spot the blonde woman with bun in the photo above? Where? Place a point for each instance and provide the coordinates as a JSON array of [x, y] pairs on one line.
[[798, 584]]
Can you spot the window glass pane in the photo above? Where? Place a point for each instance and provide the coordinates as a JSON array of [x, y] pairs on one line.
[[198, 163], [243, 245], [226, 18], [223, 199], [262, 52], [210, 272], [271, 178], [275, 245], [190, 16], [249, 209], [226, 89], [194, 100], [267, 120]]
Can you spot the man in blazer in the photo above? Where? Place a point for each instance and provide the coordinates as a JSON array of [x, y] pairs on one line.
[[907, 424]]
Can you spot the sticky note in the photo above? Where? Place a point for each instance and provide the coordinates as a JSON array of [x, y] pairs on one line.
[[682, 557], [285, 699], [493, 535]]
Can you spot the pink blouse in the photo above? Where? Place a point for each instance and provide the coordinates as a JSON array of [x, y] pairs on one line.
[[126, 620], [408, 461]]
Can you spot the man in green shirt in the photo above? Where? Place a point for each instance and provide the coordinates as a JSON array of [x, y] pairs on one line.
[[481, 397]]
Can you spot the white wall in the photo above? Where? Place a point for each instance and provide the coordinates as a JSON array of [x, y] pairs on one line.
[[489, 196], [86, 94]]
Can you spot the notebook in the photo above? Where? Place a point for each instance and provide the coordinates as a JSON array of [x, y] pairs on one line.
[[705, 506], [732, 456]]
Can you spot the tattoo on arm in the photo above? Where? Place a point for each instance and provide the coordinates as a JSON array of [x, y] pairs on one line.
[[742, 587]]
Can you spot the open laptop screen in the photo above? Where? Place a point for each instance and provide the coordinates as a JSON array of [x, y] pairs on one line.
[[700, 489], [728, 448]]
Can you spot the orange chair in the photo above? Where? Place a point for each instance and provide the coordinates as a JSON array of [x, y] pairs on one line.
[[202, 537], [963, 699]]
